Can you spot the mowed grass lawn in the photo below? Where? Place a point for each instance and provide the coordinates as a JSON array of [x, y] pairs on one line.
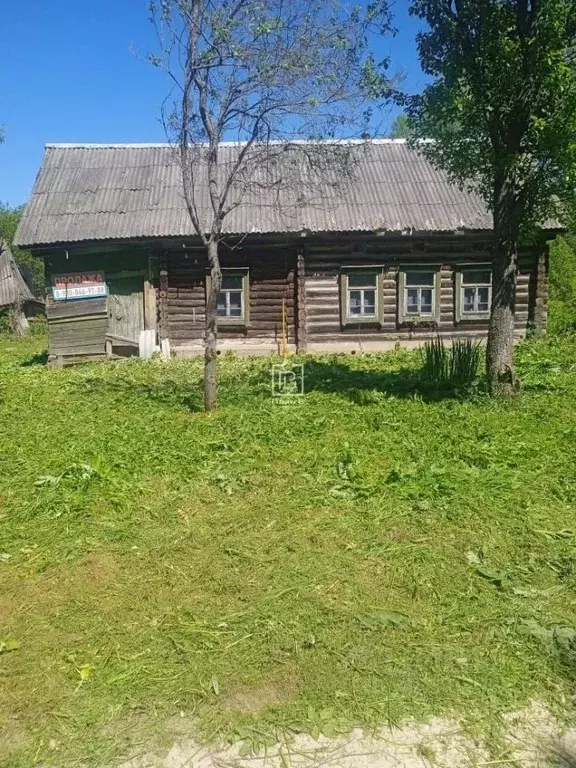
[[363, 554]]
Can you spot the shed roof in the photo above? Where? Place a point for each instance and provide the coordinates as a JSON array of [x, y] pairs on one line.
[[13, 288], [87, 192]]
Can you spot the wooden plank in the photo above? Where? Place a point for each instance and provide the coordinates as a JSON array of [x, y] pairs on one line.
[[78, 308], [77, 338], [126, 273], [76, 332], [126, 307], [79, 322], [77, 349], [61, 321], [176, 314], [150, 308], [120, 340], [539, 293]]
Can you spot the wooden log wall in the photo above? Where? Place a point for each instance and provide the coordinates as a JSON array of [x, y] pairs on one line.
[[271, 272], [324, 264], [305, 272]]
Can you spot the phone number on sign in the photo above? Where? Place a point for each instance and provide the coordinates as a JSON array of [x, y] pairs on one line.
[[79, 291]]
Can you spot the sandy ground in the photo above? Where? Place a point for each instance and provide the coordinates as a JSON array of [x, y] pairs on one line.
[[534, 739]]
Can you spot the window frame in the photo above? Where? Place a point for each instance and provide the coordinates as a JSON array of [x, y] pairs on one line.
[[244, 320], [419, 319], [353, 320], [462, 316]]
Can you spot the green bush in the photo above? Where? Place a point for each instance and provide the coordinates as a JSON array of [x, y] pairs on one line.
[[562, 280], [452, 367]]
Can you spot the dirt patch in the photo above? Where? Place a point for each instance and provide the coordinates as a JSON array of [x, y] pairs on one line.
[[59, 583], [534, 739], [269, 694], [13, 737]]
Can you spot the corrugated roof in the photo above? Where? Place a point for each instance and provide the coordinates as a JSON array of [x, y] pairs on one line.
[[115, 192], [13, 289]]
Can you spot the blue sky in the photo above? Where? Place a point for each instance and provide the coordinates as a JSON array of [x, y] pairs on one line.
[[71, 73]]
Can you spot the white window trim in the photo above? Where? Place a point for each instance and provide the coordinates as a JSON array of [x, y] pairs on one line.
[[459, 292], [346, 317], [434, 316]]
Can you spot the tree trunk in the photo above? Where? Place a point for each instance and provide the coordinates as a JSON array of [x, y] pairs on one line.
[[500, 371], [210, 333], [19, 322]]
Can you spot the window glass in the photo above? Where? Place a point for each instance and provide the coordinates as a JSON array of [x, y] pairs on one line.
[[476, 277], [469, 297], [231, 282], [483, 299], [235, 304], [355, 302], [419, 292], [476, 292], [420, 278], [369, 302], [412, 301], [426, 301], [230, 301], [361, 294], [361, 279]]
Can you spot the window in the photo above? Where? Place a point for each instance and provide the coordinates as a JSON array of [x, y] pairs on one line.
[[360, 296], [418, 294], [475, 292], [362, 288], [233, 298]]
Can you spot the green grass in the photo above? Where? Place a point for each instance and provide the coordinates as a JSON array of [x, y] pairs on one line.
[[363, 554]]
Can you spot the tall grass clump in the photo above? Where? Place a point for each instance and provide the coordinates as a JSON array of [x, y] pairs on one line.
[[454, 367]]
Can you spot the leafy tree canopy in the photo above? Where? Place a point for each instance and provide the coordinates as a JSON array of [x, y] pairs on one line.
[[32, 268], [503, 102], [502, 112], [401, 127]]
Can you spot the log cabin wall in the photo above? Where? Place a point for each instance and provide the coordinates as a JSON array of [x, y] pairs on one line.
[[271, 281], [305, 273], [326, 260]]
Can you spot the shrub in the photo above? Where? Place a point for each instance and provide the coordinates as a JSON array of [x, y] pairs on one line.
[[562, 278], [452, 367]]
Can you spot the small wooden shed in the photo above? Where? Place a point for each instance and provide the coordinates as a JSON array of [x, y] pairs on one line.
[[15, 295]]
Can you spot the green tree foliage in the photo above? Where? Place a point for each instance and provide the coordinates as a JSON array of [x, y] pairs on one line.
[[401, 127], [502, 111], [562, 300], [32, 268]]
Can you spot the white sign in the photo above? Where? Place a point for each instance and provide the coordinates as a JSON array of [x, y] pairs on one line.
[[79, 285]]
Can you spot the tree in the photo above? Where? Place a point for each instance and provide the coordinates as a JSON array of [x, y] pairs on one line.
[[32, 268], [502, 112], [401, 127], [262, 75]]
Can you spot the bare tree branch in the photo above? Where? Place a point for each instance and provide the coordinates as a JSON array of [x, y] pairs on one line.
[[262, 76]]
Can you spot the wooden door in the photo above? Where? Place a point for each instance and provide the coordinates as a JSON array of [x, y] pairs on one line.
[[126, 307]]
